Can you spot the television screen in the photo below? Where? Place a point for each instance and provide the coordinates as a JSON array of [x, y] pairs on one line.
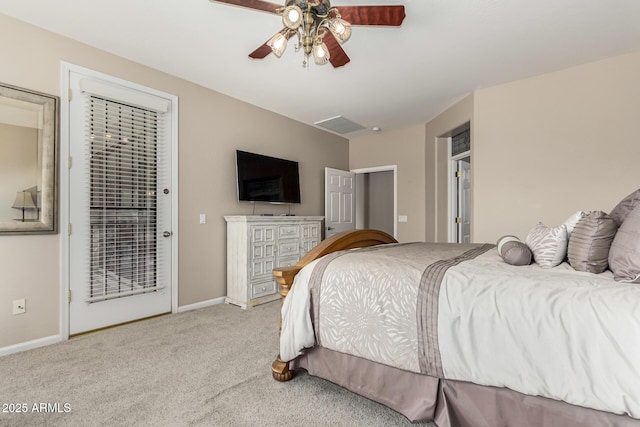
[[267, 179]]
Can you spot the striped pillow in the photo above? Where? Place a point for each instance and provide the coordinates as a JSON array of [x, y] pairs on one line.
[[572, 221], [548, 244], [590, 242]]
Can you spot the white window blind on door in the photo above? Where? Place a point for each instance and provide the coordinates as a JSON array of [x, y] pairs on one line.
[[123, 148]]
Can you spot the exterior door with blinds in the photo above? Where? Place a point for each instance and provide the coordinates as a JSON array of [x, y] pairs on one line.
[[119, 204]]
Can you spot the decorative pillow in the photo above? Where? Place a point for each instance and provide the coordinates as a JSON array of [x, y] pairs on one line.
[[572, 221], [624, 257], [513, 251], [590, 242], [548, 244], [626, 205]]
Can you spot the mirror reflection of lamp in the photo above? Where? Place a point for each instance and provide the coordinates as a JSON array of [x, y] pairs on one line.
[[23, 201]]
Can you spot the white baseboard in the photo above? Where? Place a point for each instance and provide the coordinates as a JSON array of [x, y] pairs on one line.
[[201, 304], [23, 346], [41, 342]]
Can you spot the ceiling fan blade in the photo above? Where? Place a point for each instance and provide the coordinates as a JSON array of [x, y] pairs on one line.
[[252, 4], [264, 50], [373, 15], [337, 55], [261, 52]]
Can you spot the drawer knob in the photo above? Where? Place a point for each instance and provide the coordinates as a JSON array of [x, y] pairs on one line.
[[264, 288]]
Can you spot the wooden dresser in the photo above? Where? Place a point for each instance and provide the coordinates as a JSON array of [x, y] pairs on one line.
[[258, 244]]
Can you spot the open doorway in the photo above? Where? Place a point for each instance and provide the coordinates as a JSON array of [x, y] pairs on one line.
[[361, 199]]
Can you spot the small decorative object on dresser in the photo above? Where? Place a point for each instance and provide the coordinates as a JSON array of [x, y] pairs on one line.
[[258, 244]]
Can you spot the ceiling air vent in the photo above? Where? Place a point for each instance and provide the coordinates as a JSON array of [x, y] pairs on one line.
[[339, 125]]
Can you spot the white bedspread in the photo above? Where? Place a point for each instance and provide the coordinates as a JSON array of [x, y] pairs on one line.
[[556, 332]]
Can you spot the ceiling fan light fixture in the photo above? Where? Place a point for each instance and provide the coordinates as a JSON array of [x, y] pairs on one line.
[[292, 17], [311, 20], [278, 44], [340, 28], [321, 53]]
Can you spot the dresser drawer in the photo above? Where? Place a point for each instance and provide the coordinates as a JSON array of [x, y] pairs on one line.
[[262, 289], [289, 248], [288, 231], [287, 262]]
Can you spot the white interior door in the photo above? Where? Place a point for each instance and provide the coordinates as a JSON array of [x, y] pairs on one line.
[[339, 204], [463, 219], [119, 204]]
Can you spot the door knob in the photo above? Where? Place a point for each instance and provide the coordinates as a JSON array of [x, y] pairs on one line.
[[167, 234]]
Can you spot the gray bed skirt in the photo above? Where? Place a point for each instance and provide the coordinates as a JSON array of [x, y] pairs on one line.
[[449, 403]]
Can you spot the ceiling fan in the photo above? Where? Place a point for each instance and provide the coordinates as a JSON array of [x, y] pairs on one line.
[[319, 27]]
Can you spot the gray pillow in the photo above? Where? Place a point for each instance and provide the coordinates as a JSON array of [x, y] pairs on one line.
[[513, 251], [590, 242], [572, 221], [624, 257], [548, 244], [626, 205]]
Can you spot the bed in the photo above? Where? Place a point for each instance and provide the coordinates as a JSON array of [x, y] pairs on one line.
[[452, 333]]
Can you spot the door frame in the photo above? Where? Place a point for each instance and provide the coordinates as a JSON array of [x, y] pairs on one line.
[[64, 210], [386, 168]]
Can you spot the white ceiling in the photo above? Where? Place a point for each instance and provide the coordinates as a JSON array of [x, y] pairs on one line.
[[397, 77]]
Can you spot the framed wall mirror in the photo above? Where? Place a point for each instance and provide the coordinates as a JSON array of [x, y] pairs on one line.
[[28, 161]]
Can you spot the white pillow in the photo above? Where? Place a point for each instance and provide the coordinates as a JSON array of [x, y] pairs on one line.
[[548, 244]]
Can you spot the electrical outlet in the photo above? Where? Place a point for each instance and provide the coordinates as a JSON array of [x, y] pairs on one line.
[[403, 218], [19, 306], [203, 218]]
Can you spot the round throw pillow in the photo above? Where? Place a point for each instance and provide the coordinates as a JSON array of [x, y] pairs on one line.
[[513, 251]]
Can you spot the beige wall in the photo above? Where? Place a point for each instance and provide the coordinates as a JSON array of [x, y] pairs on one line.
[[437, 166], [404, 148], [211, 127], [546, 147]]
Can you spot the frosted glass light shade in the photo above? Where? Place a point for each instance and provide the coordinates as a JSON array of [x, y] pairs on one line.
[[278, 44], [292, 17], [341, 29], [321, 53]]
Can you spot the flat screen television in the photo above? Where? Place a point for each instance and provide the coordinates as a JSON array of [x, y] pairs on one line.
[[267, 179]]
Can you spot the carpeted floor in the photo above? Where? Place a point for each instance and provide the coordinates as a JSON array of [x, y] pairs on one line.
[[208, 367]]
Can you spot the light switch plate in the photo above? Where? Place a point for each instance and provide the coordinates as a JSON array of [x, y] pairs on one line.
[[402, 218], [203, 218]]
